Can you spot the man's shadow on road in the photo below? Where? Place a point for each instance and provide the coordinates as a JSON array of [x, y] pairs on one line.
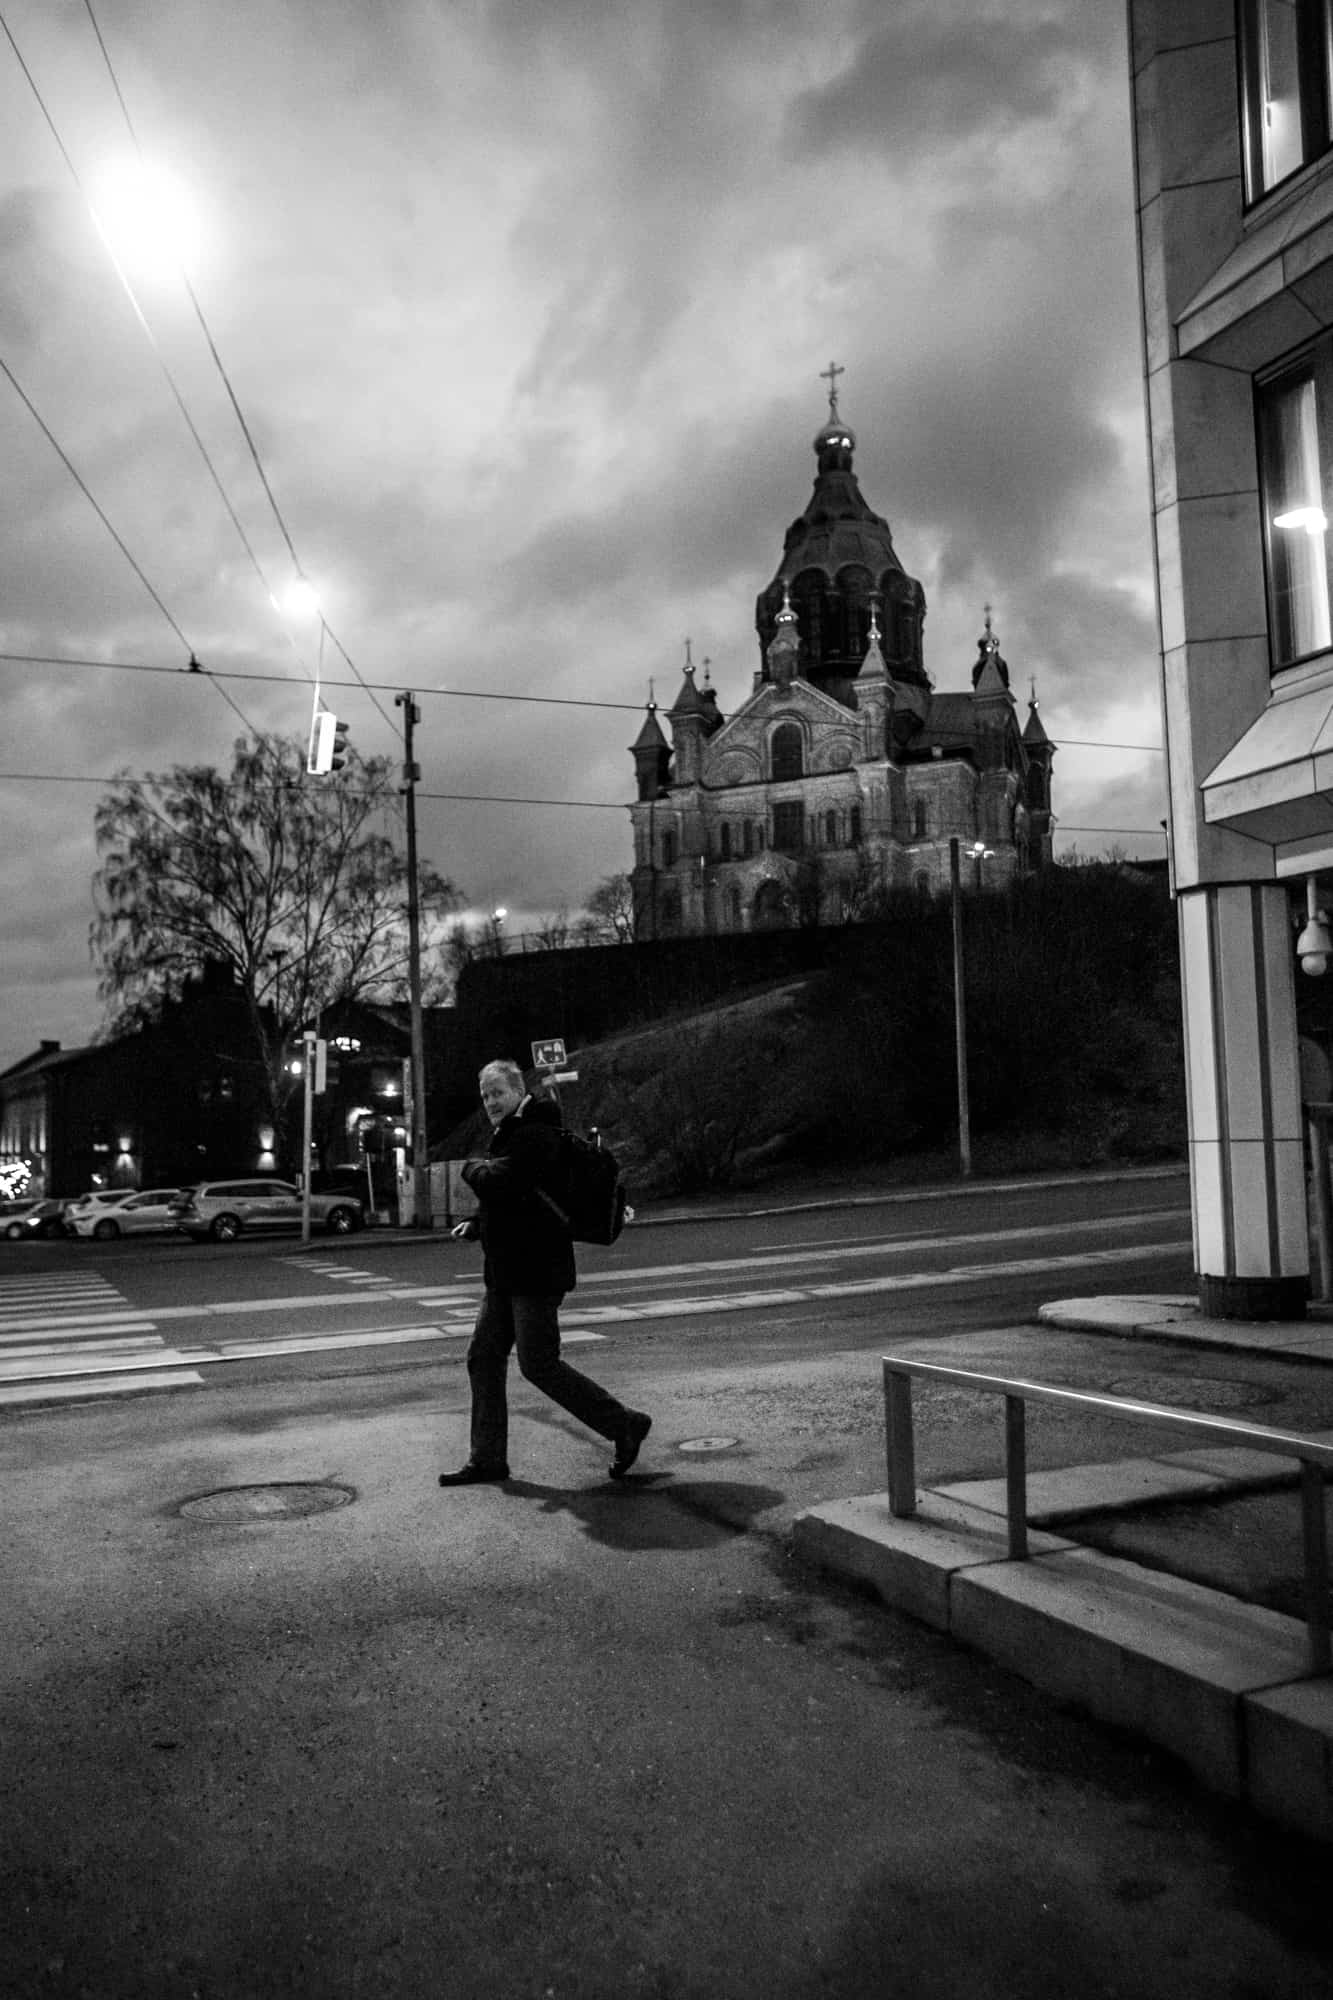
[[655, 1510]]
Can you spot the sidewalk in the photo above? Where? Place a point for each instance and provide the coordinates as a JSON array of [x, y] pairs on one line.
[[1222, 1683]]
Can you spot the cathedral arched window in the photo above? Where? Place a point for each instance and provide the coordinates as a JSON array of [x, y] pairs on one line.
[[724, 838], [855, 828], [787, 751], [668, 850], [918, 819], [830, 829], [747, 840]]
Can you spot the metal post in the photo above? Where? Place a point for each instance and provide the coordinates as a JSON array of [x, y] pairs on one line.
[[1016, 1476], [1314, 1542], [899, 1443], [421, 1216], [959, 1014], [1316, 1117], [308, 1043]]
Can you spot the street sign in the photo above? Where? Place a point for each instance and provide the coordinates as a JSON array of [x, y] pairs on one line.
[[548, 1055]]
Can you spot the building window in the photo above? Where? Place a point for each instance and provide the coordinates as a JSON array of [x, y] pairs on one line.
[[830, 829], [856, 826], [787, 751], [734, 908], [668, 850], [725, 839], [1286, 65], [918, 819], [789, 827], [748, 837], [1295, 409]]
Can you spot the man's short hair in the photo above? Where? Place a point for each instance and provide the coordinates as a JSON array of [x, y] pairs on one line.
[[510, 1071]]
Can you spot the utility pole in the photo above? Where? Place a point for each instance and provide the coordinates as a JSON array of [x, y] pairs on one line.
[[960, 1014], [421, 1215]]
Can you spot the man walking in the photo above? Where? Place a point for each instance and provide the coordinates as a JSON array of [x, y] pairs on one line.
[[529, 1266]]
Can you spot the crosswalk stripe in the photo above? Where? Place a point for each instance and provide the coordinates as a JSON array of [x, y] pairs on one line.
[[77, 1335]]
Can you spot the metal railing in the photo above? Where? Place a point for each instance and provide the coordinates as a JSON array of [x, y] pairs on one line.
[[1314, 1459]]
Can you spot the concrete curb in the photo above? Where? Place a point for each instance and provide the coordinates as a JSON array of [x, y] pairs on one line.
[[1153, 1316], [1224, 1686]]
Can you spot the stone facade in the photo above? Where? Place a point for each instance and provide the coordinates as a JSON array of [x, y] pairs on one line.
[[843, 775]]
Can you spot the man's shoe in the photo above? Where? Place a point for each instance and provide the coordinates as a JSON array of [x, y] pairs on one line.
[[475, 1475], [637, 1427]]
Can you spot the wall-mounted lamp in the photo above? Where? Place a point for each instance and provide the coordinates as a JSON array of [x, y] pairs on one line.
[[1314, 946]]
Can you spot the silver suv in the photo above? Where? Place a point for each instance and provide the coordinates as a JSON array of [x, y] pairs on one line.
[[224, 1210]]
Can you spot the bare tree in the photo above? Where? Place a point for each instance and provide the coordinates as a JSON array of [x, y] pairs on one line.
[[609, 914], [296, 885]]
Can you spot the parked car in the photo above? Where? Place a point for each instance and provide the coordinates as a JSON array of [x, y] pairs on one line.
[[90, 1203], [15, 1217], [225, 1210], [41, 1218], [125, 1212]]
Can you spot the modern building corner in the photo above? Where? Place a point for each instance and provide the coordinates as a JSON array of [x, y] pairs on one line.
[[1234, 202]]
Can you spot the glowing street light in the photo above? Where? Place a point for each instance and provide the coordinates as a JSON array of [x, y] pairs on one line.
[[146, 218], [300, 599]]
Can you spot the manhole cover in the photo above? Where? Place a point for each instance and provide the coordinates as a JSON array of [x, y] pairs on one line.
[[283, 1501], [1191, 1393], [702, 1445]]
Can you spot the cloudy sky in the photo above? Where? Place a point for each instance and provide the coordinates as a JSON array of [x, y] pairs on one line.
[[525, 303]]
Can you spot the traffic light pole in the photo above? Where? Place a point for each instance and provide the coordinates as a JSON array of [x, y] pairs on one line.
[[421, 1213]]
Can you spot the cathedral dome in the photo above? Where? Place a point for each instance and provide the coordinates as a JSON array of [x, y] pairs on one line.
[[837, 559]]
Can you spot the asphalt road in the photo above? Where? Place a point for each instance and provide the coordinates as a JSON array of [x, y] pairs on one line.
[[565, 1738], [80, 1317]]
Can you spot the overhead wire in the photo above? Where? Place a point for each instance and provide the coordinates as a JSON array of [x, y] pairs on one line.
[[114, 533], [45, 428], [459, 694], [227, 384]]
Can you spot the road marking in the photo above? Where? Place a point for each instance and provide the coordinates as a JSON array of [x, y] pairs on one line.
[[123, 1343], [106, 1346]]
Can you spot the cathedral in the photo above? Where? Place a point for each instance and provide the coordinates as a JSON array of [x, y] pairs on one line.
[[843, 774]]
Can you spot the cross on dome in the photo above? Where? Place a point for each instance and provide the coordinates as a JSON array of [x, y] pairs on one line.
[[830, 375]]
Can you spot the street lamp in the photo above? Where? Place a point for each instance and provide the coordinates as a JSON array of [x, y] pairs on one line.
[[979, 851]]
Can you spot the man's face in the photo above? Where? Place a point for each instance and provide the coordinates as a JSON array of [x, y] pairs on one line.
[[500, 1096]]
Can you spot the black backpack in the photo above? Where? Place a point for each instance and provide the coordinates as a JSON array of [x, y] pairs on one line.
[[590, 1198]]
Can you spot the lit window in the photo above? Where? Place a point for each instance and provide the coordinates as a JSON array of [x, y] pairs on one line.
[[1286, 68], [1294, 410]]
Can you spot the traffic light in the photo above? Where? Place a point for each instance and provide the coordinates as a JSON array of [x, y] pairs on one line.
[[328, 743]]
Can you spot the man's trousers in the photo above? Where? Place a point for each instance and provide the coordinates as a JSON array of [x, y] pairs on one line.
[[530, 1322]]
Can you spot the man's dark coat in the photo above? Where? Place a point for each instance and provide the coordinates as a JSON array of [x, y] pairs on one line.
[[527, 1247]]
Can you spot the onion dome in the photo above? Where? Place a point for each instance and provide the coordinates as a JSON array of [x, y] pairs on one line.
[[652, 754], [837, 556], [989, 656]]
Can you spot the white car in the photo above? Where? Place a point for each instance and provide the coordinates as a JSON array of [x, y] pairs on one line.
[[115, 1212], [91, 1202]]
